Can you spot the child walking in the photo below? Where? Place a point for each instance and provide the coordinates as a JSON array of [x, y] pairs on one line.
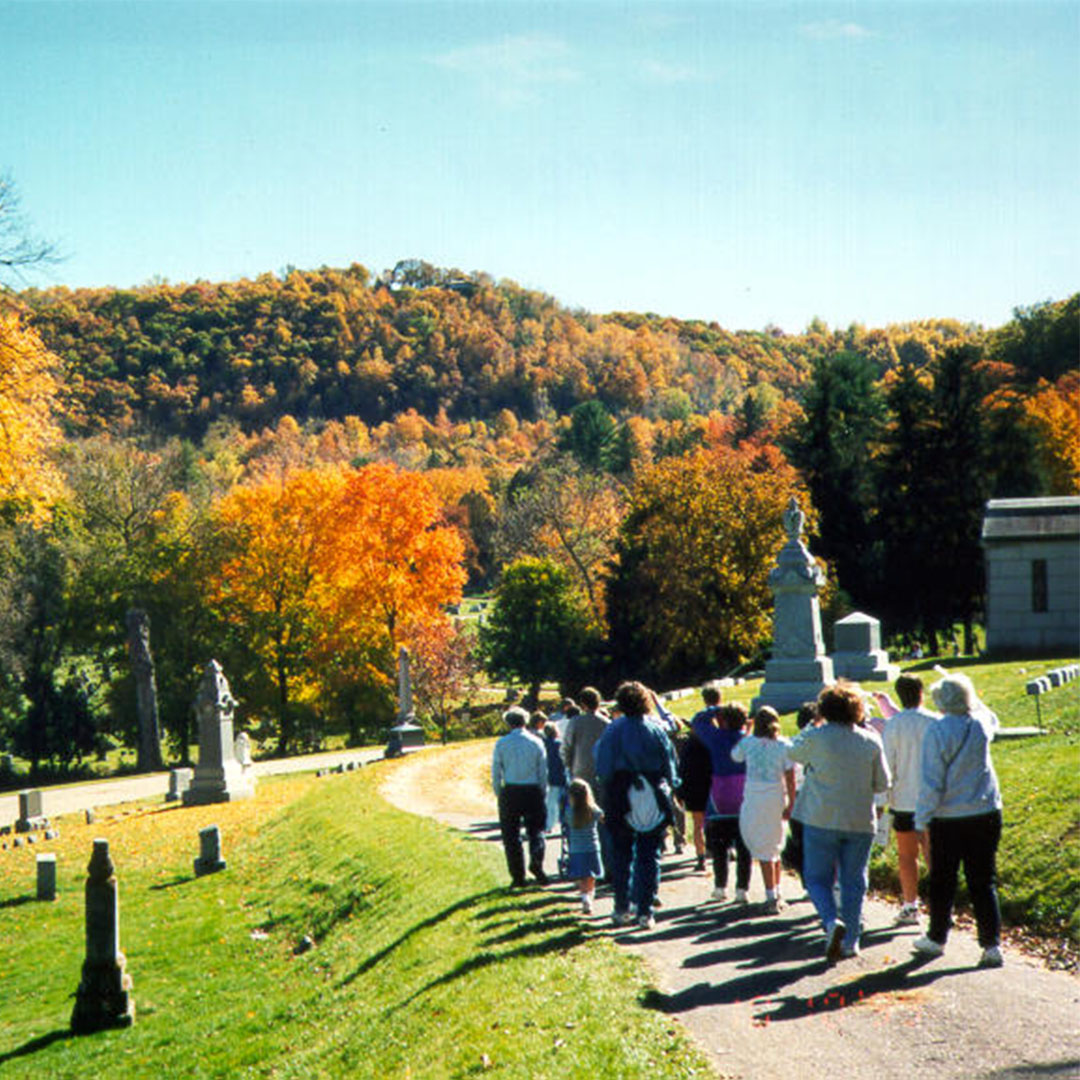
[[583, 842]]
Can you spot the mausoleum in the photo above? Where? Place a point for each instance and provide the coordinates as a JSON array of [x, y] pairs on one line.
[[1032, 551]]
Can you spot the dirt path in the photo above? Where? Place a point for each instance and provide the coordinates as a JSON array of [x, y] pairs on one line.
[[755, 993]]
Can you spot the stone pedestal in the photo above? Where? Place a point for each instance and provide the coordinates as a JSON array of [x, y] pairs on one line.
[[219, 777], [799, 669], [103, 999], [406, 732], [179, 782], [46, 877], [858, 654], [209, 860]]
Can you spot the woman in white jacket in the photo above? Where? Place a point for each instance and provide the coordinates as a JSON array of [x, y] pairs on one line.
[[960, 802]]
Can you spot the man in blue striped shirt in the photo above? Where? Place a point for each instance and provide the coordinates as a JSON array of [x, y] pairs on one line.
[[519, 777]]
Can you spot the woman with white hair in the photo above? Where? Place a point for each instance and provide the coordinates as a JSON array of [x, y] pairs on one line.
[[960, 802]]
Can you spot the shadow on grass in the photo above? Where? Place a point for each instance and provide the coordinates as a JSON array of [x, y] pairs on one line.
[[183, 879], [486, 959], [34, 1045], [16, 901], [433, 920]]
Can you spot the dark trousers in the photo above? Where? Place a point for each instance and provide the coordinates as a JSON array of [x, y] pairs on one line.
[[522, 804], [972, 841], [720, 835], [635, 869]]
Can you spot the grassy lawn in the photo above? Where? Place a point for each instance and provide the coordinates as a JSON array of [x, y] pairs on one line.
[[425, 966], [1039, 858]]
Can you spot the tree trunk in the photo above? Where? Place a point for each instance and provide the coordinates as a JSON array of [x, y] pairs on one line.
[[142, 667]]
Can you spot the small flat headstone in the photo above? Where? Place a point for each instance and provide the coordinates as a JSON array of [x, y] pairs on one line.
[[1055, 677], [17, 842], [51, 834], [91, 817]]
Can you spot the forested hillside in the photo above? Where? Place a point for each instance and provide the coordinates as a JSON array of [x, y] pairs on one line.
[[328, 344], [299, 474]]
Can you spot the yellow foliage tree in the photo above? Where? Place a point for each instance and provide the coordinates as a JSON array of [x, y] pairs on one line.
[[29, 480], [1054, 413]]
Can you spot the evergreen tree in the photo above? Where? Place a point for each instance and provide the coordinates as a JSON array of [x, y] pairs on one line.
[[834, 451]]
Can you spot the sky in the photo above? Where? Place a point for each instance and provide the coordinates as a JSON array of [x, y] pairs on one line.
[[749, 163]]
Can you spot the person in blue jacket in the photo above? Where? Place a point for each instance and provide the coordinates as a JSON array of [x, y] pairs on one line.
[[634, 745]]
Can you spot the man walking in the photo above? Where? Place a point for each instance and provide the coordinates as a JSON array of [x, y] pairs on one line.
[[519, 777]]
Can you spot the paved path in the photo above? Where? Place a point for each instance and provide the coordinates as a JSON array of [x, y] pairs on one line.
[[74, 798], [757, 995]]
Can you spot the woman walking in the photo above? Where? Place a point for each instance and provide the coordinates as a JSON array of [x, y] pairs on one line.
[[960, 802], [844, 768], [767, 798]]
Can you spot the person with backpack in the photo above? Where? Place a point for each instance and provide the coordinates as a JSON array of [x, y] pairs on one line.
[[635, 765]]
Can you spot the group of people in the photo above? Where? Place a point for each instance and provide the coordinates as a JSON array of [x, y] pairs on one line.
[[614, 783]]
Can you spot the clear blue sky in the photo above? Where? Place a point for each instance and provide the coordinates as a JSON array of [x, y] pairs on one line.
[[747, 162]]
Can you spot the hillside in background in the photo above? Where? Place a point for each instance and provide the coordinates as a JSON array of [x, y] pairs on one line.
[[327, 344]]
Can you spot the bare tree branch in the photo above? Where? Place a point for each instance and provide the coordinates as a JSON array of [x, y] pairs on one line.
[[20, 249]]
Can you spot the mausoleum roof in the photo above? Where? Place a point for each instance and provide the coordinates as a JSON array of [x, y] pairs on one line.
[[1056, 518]]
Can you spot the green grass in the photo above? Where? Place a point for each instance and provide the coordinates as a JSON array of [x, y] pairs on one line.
[[425, 966]]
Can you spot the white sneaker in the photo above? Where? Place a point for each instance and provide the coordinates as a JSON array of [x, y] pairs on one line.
[[848, 951], [927, 946], [774, 905], [586, 905], [720, 894], [991, 957], [909, 915], [621, 918], [646, 922], [741, 897]]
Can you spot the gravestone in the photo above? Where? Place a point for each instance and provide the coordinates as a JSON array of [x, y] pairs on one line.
[[31, 813], [799, 669], [46, 877], [179, 782], [218, 777], [209, 860], [857, 653], [103, 999], [408, 732]]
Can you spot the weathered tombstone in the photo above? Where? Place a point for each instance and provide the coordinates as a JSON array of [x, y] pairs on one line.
[[179, 782], [409, 733], [242, 750], [103, 999], [46, 877], [146, 702], [857, 652], [799, 669], [209, 860], [31, 813], [218, 775], [1055, 677], [91, 817]]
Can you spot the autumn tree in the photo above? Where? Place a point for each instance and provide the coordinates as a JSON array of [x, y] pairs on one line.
[[29, 391], [269, 586], [445, 669], [564, 513], [689, 594], [326, 572]]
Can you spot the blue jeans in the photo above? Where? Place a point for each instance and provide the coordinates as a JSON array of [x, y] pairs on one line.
[[832, 853], [635, 868]]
